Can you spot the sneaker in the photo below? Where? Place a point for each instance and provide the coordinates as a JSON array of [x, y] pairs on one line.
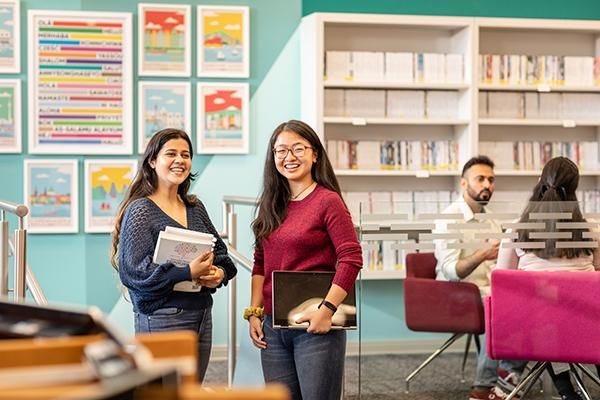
[[480, 394], [497, 393], [507, 380], [494, 393]]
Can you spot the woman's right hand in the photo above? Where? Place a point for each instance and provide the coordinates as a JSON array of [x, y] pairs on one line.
[[256, 332], [202, 265]]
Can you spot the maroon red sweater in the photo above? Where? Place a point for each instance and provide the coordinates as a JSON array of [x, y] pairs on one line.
[[316, 233]]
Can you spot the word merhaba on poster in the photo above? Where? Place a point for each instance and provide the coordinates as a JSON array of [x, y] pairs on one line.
[[106, 183], [163, 105], [223, 126], [164, 34], [223, 41], [10, 116], [51, 194], [10, 43], [80, 83]]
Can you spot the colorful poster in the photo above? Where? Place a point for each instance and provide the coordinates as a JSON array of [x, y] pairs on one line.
[[223, 118], [106, 182], [164, 32], [163, 105], [10, 116], [223, 41], [80, 90], [51, 196], [10, 44]]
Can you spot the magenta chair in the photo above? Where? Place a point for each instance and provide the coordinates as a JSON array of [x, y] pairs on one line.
[[438, 306], [544, 317]]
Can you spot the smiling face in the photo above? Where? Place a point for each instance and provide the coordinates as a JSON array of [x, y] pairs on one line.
[[173, 163], [294, 167]]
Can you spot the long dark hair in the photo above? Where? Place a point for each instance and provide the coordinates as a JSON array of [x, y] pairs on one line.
[[146, 182], [555, 192], [275, 196]]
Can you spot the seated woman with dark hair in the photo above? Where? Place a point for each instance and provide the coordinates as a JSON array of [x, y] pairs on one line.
[[555, 192]]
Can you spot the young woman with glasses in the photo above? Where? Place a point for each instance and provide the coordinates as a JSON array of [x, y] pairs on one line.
[[302, 225]]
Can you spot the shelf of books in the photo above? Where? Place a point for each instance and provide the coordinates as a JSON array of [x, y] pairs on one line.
[[539, 91]]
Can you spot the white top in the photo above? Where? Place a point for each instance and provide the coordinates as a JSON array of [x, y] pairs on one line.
[[448, 258]]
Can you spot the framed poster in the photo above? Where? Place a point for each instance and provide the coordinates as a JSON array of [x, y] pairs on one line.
[[223, 41], [50, 193], [165, 40], [10, 43], [222, 118], [10, 116], [163, 105], [105, 185], [80, 83]]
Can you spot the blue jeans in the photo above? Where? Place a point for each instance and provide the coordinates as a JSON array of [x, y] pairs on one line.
[[486, 374], [174, 319], [311, 366]]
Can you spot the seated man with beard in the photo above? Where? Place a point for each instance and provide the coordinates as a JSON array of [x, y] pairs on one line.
[[474, 265]]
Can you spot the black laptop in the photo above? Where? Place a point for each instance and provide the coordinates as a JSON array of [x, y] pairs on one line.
[[296, 293]]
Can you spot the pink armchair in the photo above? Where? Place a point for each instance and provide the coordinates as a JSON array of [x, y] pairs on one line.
[[438, 306], [544, 317]]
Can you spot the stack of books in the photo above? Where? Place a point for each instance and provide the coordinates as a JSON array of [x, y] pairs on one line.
[[181, 246]]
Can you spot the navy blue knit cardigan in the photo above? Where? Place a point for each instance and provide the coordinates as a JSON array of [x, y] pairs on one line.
[[151, 285]]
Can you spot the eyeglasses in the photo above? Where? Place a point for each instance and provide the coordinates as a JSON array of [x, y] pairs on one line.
[[297, 150]]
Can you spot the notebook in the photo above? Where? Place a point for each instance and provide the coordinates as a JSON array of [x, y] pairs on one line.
[[295, 293]]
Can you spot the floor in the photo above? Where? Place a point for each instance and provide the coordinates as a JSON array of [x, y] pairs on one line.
[[382, 378]]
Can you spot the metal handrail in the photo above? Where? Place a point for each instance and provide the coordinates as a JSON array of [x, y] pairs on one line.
[[31, 281], [20, 254], [240, 259], [229, 233], [24, 277]]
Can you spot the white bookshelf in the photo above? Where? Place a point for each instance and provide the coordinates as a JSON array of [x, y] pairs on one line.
[[538, 37], [470, 37]]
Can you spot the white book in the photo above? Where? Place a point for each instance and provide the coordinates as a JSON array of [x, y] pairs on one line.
[[338, 65], [180, 249], [367, 66], [399, 67], [405, 104], [334, 102], [454, 68], [190, 233]]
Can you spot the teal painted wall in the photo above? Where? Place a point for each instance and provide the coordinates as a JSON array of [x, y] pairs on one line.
[[558, 9]]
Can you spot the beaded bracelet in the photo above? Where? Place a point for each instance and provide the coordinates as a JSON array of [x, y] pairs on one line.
[[258, 312]]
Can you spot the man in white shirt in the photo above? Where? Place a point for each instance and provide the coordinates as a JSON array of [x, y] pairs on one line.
[[473, 264], [470, 264]]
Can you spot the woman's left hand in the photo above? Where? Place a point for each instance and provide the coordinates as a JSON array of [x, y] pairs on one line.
[[213, 279], [319, 322]]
